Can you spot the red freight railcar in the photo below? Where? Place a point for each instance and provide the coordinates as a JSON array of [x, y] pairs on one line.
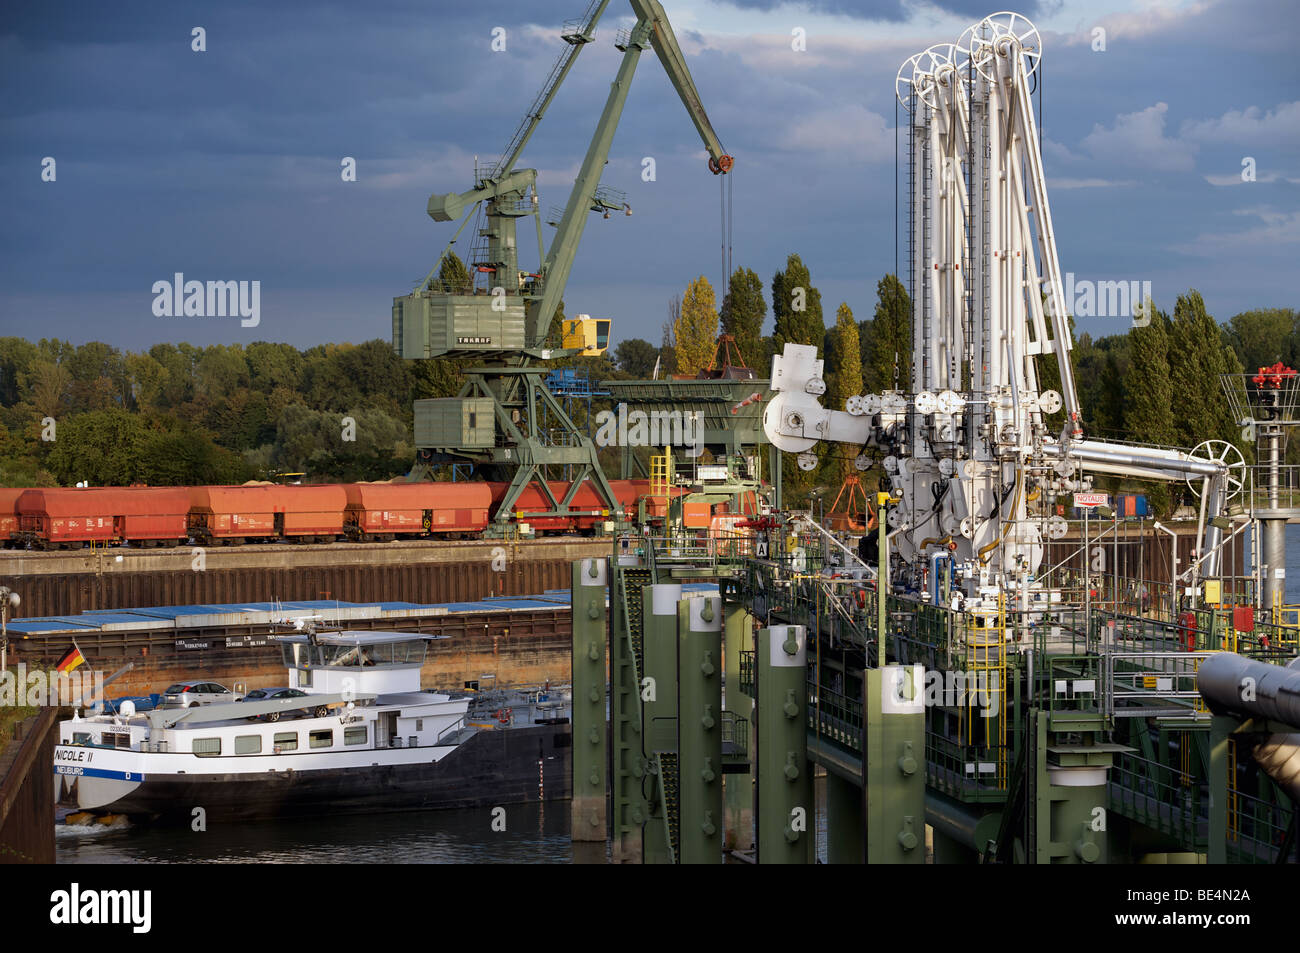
[[9, 513], [588, 509], [386, 510], [234, 514], [70, 516]]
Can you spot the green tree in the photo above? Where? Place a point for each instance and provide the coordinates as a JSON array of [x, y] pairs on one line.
[[16, 356], [1150, 394], [742, 315], [636, 357], [49, 385], [1197, 359], [885, 341], [453, 276], [796, 308], [104, 447], [696, 330], [1261, 338]]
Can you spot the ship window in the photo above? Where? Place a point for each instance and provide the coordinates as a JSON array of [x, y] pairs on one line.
[[323, 738], [419, 724], [115, 739], [248, 744], [207, 747], [286, 740], [355, 736], [81, 737]]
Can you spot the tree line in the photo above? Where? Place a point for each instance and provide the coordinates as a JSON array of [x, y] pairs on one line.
[[183, 414]]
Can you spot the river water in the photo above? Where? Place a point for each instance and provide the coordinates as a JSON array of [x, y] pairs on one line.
[[534, 833]]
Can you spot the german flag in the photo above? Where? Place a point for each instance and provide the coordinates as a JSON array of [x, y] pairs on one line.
[[71, 660]]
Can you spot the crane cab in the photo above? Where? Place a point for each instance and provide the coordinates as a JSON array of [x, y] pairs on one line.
[[586, 334]]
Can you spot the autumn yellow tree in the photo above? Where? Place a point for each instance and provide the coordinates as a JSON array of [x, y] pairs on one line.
[[696, 329]]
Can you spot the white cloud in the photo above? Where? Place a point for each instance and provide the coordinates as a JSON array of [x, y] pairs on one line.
[[1138, 139], [1158, 17], [853, 133], [1275, 228], [1250, 127], [1234, 178]]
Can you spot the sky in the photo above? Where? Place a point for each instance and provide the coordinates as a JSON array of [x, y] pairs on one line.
[[225, 164]]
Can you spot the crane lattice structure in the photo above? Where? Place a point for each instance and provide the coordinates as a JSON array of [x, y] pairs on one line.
[[505, 421]]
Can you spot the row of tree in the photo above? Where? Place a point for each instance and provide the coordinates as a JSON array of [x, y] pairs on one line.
[[178, 413]]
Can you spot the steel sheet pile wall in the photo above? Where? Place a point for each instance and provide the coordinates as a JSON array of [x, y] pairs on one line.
[[69, 593]]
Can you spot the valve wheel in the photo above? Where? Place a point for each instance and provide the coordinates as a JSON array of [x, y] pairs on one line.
[[919, 72], [1222, 452], [1002, 34]]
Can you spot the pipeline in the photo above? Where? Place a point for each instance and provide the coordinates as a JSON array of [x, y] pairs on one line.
[[1274, 694]]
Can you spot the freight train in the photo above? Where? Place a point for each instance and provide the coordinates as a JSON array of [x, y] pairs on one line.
[[70, 518]]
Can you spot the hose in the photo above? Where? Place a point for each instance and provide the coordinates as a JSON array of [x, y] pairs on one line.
[[1006, 528]]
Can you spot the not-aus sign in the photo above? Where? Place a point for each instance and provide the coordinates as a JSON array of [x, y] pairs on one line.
[[1091, 500]]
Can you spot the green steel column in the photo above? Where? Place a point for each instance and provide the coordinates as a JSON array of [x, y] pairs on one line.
[[844, 809], [659, 705], [738, 788], [1072, 800], [1221, 729], [894, 764], [699, 703], [628, 778], [786, 830], [587, 599]]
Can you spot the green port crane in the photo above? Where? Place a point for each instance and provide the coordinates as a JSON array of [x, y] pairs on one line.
[[505, 421]]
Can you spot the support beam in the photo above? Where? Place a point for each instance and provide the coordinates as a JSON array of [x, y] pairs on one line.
[[894, 752], [587, 599], [786, 826], [699, 703]]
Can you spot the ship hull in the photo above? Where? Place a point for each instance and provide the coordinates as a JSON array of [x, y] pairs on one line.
[[489, 768]]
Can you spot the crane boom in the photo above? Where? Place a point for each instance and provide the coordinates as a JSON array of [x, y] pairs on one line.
[[577, 33], [674, 63], [652, 29]]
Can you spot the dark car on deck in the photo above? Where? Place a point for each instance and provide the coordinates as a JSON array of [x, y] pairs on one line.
[[275, 694]]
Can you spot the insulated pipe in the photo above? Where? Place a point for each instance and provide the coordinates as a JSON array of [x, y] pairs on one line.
[[1273, 692], [1279, 756], [1242, 686], [1091, 451]]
